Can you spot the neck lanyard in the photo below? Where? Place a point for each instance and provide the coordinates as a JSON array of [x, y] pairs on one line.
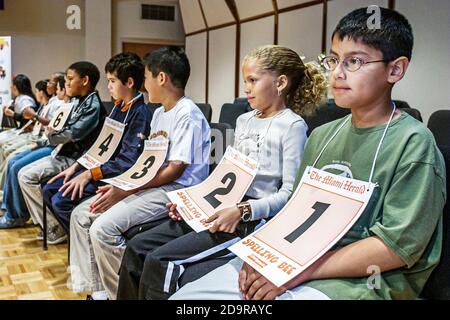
[[131, 102], [379, 144]]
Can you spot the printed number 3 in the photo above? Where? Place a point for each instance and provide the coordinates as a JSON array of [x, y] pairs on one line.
[[319, 209], [211, 198], [148, 164]]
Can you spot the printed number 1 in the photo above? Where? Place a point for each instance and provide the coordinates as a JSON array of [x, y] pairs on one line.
[[319, 209]]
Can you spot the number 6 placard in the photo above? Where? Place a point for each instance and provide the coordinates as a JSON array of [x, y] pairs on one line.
[[105, 145], [224, 188], [60, 119], [321, 211], [146, 167]]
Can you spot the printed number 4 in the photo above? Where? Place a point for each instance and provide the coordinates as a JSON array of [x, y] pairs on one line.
[[104, 147], [319, 209], [211, 197]]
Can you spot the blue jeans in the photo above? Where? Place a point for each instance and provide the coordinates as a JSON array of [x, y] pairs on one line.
[[13, 201]]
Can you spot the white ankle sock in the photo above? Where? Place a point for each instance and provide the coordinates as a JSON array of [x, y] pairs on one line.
[[99, 295]]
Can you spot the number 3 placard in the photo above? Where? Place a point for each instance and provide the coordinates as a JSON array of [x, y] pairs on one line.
[[105, 145], [60, 119], [321, 211], [146, 167], [224, 188]]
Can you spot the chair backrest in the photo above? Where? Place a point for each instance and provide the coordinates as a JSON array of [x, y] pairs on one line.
[[325, 113], [438, 285], [109, 105], [414, 113], [222, 135], [153, 106], [401, 104], [439, 124], [206, 109], [231, 111], [242, 100]]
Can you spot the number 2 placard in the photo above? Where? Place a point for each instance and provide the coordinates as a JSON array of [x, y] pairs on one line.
[[224, 188], [105, 145], [146, 167], [321, 211]]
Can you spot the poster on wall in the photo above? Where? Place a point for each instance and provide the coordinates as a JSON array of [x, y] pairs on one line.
[[5, 73]]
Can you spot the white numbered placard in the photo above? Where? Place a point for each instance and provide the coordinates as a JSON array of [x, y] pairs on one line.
[[321, 211], [105, 145], [37, 124], [21, 130], [146, 167], [224, 188], [61, 116]]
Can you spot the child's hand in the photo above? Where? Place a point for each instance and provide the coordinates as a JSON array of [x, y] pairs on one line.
[[76, 185], [66, 174], [173, 212], [110, 195], [225, 220], [263, 289], [28, 113], [8, 112]]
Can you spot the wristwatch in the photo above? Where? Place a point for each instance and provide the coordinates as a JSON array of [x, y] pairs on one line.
[[36, 118], [246, 211]]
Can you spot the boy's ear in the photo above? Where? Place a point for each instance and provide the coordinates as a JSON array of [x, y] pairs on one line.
[[163, 78], [85, 81], [130, 82], [397, 69]]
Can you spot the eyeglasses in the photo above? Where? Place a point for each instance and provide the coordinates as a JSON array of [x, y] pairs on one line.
[[351, 64]]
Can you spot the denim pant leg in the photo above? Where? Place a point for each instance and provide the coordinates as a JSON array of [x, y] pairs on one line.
[[13, 198]]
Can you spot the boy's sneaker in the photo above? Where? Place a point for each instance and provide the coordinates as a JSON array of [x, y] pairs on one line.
[[40, 235], [56, 235], [6, 223]]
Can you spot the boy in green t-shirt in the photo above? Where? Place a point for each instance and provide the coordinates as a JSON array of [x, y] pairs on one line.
[[399, 235]]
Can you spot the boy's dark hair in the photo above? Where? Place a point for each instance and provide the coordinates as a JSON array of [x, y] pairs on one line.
[[172, 61], [42, 86], [394, 38], [127, 65], [61, 80], [85, 68]]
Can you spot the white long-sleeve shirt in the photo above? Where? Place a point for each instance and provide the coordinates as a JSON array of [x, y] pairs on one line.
[[277, 144]]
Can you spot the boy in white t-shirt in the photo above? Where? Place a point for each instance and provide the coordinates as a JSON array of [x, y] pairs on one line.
[[115, 211]]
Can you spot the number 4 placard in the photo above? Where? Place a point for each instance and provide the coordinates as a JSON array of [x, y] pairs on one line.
[[105, 145], [321, 211], [224, 188], [146, 167]]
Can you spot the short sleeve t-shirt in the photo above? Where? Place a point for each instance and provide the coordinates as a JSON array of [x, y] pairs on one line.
[[189, 137], [405, 211], [22, 102]]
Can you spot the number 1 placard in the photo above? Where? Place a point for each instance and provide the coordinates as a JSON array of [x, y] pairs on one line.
[[320, 212], [224, 188], [146, 167], [105, 145]]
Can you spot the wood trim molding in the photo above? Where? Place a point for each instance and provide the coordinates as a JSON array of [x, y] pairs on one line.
[[207, 54]]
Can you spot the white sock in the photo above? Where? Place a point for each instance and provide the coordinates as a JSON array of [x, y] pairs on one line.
[[99, 295]]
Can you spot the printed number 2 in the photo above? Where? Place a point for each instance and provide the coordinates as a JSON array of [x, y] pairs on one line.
[[148, 164], [104, 147], [211, 198], [319, 209], [58, 120]]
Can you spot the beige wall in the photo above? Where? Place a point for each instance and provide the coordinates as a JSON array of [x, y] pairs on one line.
[[41, 43], [128, 26], [425, 86]]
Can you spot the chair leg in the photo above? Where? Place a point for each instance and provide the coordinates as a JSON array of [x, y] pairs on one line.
[[44, 227]]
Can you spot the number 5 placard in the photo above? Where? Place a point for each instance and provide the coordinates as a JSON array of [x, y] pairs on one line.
[[224, 188], [105, 145], [321, 211], [146, 167], [60, 119]]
